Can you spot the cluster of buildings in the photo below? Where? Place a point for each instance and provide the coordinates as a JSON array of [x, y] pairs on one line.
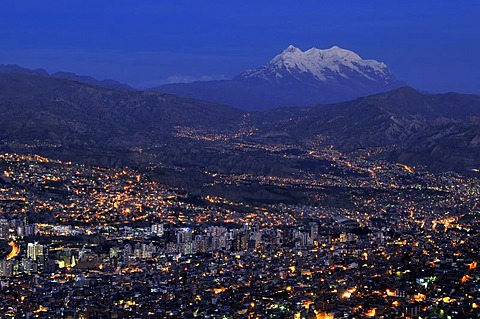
[[380, 241], [321, 268]]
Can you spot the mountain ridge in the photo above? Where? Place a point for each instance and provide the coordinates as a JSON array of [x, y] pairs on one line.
[[72, 120], [62, 111], [107, 83], [440, 131]]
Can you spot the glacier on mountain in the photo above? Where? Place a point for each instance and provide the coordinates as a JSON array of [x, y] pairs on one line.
[[322, 64]]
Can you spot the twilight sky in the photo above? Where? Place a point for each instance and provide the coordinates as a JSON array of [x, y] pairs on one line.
[[433, 45]]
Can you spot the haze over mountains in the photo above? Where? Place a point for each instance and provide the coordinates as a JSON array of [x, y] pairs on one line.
[[295, 78], [81, 122]]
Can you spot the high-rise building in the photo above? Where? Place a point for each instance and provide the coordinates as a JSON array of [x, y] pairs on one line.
[[314, 231], [34, 251], [6, 268], [157, 229]]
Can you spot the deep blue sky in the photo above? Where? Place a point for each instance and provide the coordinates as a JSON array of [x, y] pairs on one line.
[[433, 45]]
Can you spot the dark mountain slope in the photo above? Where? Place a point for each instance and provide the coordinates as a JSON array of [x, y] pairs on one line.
[[441, 130], [68, 113], [71, 120]]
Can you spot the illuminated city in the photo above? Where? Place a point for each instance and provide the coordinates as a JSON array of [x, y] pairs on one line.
[[407, 248]]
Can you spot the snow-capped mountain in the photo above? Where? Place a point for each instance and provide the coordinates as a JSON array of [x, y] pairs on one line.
[[296, 78], [322, 65]]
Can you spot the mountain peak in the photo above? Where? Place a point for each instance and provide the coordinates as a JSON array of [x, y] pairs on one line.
[[291, 49], [335, 53]]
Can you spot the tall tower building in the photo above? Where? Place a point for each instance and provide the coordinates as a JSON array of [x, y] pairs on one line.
[[313, 230], [34, 251]]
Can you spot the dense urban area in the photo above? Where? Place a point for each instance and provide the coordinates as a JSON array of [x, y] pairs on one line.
[[373, 240]]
